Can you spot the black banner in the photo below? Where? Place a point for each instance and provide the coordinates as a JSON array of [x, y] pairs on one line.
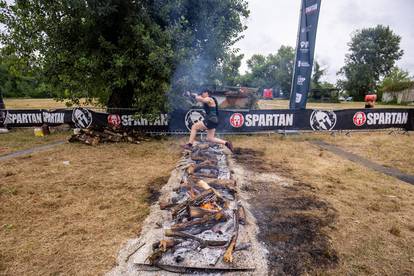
[[305, 49], [231, 121]]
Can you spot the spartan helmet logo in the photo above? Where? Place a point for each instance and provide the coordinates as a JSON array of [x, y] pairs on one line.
[[193, 116], [323, 120], [82, 118], [360, 118], [237, 120]]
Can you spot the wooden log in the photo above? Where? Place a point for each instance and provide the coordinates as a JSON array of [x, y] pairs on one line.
[[183, 235], [205, 196], [213, 218], [203, 185], [202, 175], [228, 255], [216, 181], [190, 169], [198, 212], [207, 164], [201, 146], [241, 215]]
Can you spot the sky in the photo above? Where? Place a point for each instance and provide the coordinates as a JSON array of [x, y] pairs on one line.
[[273, 23]]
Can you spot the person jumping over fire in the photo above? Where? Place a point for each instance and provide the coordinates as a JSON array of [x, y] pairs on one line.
[[211, 121]]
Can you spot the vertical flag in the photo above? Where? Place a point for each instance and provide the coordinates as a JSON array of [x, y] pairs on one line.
[[305, 49]]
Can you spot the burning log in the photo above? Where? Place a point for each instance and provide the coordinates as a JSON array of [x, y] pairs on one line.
[[228, 255], [203, 185], [204, 197], [221, 182], [229, 184], [210, 219], [202, 175], [202, 156], [241, 214], [159, 248], [203, 243], [201, 146], [197, 212], [207, 164]]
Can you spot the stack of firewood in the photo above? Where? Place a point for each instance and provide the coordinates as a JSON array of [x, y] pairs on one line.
[[94, 137], [209, 214]]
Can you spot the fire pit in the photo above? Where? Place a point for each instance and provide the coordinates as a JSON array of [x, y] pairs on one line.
[[200, 223]]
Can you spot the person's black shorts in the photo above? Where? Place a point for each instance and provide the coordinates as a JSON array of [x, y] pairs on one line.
[[211, 123]]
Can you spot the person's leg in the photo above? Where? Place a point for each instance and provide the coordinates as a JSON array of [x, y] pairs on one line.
[[211, 137], [196, 127]]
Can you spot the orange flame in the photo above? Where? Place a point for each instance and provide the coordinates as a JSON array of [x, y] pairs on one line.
[[208, 206]]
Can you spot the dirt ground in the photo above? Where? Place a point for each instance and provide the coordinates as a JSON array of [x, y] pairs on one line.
[[67, 211], [291, 218], [359, 222]]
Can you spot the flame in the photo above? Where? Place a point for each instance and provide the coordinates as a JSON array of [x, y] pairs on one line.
[[208, 206]]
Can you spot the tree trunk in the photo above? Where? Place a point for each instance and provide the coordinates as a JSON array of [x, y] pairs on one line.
[[122, 97]]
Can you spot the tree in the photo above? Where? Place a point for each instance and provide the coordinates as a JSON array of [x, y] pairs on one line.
[[373, 52], [124, 53], [228, 70], [16, 80], [203, 34], [318, 72], [397, 80], [272, 71]]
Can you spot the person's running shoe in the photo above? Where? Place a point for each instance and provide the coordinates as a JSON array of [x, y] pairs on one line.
[[229, 145], [188, 146]]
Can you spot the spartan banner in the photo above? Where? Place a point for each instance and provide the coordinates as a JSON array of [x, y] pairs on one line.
[[305, 49], [231, 121]]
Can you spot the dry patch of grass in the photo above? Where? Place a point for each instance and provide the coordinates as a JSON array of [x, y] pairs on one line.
[[35, 103], [284, 104], [390, 150], [375, 216], [19, 139], [71, 218]]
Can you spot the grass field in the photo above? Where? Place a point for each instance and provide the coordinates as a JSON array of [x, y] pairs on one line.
[[374, 231], [35, 104], [68, 210]]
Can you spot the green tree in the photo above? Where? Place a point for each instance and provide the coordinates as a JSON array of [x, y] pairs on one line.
[[272, 71], [124, 53], [396, 80], [203, 34], [318, 73], [228, 70], [373, 53], [17, 80]]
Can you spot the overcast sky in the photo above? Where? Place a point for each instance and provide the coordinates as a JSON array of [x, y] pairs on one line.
[[273, 23]]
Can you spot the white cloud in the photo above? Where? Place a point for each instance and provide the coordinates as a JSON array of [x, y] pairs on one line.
[[273, 23]]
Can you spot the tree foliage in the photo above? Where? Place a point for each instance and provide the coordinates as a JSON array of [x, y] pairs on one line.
[[124, 53], [16, 80], [373, 52], [272, 71], [397, 80]]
